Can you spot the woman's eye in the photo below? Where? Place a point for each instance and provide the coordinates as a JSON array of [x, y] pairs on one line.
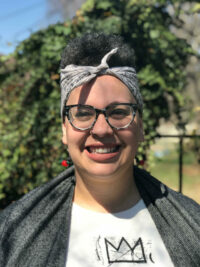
[[82, 114], [119, 112]]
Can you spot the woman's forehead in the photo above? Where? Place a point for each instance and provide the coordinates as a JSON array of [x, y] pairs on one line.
[[101, 90]]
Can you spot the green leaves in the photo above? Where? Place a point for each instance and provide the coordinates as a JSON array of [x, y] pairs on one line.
[[104, 4], [88, 6], [148, 75], [154, 34]]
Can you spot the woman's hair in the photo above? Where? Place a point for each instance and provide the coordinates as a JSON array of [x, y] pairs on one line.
[[89, 50]]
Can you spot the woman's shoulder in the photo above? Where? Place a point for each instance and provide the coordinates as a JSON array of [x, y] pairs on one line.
[[156, 190], [38, 200], [32, 225]]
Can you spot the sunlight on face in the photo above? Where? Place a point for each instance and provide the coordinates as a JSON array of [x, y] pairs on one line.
[[102, 151]]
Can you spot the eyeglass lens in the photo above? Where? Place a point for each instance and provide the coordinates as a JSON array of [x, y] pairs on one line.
[[118, 116]]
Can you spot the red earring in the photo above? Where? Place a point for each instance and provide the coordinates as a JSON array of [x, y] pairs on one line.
[[65, 163]]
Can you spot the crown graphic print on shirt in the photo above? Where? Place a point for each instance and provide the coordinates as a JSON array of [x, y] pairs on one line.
[[124, 252]]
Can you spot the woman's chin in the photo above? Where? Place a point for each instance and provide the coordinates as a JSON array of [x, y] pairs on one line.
[[101, 171]]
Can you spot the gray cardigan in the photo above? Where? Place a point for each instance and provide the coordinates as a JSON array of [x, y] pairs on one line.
[[34, 230]]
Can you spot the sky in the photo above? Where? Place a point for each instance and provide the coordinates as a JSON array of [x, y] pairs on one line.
[[19, 18]]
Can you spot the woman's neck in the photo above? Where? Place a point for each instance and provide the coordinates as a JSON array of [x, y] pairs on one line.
[[107, 194]]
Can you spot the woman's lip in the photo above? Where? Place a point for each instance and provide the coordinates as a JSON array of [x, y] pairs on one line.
[[103, 148], [101, 156], [102, 145]]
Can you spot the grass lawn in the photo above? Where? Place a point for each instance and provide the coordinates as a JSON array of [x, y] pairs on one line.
[[166, 169]]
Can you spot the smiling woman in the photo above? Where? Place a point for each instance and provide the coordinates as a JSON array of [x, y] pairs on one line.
[[101, 211], [103, 154]]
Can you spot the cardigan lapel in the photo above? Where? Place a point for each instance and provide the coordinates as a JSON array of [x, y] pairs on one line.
[[36, 227], [176, 217]]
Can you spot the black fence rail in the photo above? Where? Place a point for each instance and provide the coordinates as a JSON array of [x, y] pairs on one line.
[[181, 152]]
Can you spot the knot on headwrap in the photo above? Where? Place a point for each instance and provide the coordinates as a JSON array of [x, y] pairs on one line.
[[73, 76]]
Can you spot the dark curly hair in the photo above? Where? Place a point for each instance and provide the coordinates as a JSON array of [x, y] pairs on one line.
[[89, 49]]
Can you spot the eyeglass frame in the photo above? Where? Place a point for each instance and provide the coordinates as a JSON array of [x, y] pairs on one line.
[[98, 112]]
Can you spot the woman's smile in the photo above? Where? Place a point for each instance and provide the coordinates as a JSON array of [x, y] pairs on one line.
[[103, 153]]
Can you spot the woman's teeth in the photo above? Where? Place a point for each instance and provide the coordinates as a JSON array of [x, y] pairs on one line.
[[103, 150]]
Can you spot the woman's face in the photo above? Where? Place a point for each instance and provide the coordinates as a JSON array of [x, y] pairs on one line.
[[102, 151]]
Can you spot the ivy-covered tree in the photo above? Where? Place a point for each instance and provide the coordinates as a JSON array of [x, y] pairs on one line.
[[30, 124]]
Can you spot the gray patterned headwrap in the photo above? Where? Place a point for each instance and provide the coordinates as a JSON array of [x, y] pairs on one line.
[[73, 76]]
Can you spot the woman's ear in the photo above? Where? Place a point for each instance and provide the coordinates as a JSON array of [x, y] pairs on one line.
[[64, 134]]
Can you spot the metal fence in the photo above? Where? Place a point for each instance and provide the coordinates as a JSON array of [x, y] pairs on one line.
[[181, 152]]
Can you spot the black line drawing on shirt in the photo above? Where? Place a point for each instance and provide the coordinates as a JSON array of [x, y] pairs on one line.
[[98, 251], [124, 252], [97, 248], [150, 257]]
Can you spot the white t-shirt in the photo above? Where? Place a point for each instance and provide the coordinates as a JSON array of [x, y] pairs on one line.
[[124, 239]]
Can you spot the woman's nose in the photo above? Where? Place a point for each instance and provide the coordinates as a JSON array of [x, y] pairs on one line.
[[101, 127]]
